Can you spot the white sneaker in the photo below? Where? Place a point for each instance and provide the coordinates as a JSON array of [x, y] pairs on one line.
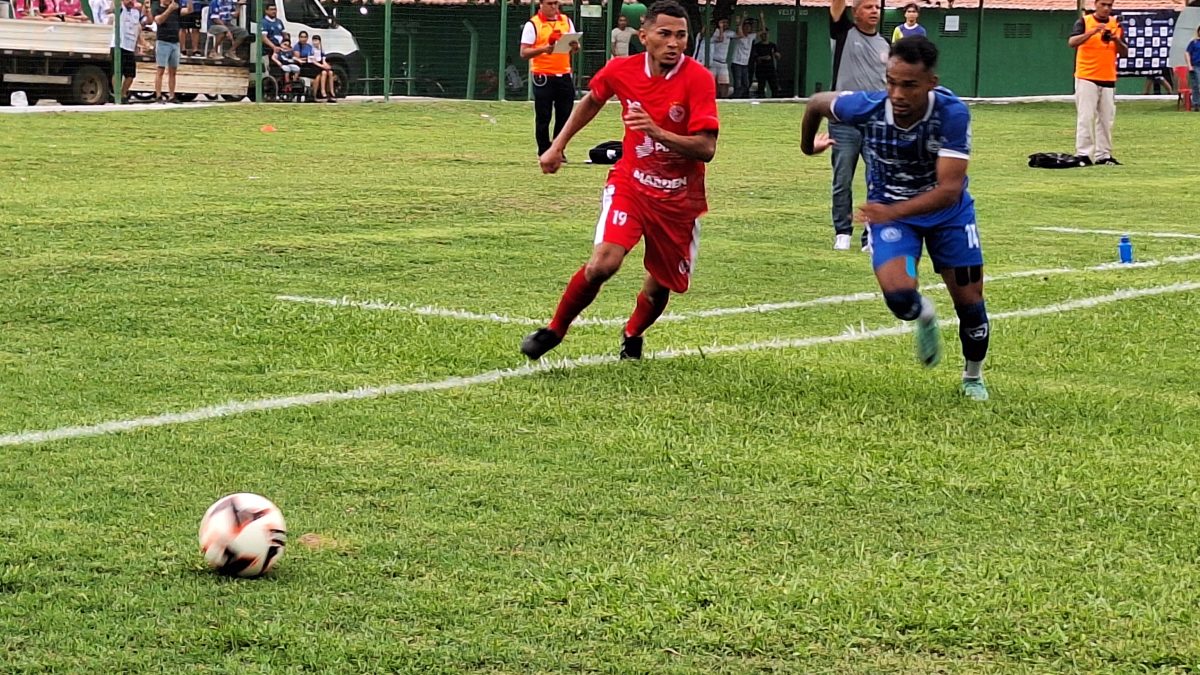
[[866, 249], [841, 242]]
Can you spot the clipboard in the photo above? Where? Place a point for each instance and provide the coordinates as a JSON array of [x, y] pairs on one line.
[[563, 46]]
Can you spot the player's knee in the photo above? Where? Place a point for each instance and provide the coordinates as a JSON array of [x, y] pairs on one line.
[[965, 276], [906, 304], [601, 268]]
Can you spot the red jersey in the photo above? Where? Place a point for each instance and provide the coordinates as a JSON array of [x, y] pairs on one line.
[[684, 102]]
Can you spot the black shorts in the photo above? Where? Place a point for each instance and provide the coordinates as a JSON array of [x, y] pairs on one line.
[[128, 64], [189, 21]]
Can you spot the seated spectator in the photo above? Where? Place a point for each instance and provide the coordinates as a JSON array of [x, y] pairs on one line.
[[323, 84], [285, 59], [23, 9], [72, 11], [222, 21], [48, 10]]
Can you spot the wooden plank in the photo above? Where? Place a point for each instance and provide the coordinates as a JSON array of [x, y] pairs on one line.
[[197, 79], [28, 35]]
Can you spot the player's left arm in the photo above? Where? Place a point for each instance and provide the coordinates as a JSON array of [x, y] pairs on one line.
[[1119, 36], [951, 180]]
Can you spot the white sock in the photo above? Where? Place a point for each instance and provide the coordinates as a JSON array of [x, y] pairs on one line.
[[928, 313], [973, 371]]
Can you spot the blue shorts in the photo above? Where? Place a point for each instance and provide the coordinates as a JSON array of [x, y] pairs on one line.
[[166, 54], [951, 244]]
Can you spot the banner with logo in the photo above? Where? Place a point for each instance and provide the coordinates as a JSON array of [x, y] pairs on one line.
[[1148, 34]]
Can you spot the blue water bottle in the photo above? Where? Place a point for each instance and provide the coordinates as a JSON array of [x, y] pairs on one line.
[[1125, 249]]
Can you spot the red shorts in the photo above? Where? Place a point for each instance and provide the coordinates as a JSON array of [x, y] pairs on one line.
[[672, 241]]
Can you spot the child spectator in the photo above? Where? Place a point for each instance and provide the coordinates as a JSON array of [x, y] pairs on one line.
[[323, 83], [286, 60]]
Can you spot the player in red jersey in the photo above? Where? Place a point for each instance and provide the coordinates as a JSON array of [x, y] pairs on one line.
[[656, 189]]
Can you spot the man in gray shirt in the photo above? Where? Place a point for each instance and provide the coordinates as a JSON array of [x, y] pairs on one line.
[[859, 63]]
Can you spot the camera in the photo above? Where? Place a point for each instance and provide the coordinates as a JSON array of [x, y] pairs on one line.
[[1106, 36]]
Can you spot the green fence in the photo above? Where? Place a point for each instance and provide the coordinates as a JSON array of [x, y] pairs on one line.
[[472, 50]]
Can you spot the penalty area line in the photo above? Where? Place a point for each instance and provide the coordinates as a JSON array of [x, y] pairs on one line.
[[234, 408]]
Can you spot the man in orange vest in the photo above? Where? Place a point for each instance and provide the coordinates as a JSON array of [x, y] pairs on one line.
[[1098, 39], [553, 88]]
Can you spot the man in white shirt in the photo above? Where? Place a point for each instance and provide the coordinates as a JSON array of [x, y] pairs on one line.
[[621, 35], [742, 46], [102, 11]]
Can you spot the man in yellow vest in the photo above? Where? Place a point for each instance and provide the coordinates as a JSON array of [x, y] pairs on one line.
[[1098, 39], [553, 88]]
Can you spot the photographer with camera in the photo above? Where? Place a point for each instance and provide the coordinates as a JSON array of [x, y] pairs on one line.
[[1098, 40]]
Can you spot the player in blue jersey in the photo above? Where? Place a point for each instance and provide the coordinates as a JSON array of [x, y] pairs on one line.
[[917, 137]]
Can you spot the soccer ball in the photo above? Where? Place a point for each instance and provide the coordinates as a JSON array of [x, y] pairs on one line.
[[242, 535]]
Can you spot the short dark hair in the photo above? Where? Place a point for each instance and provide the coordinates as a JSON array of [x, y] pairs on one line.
[[664, 7], [911, 5], [914, 50]]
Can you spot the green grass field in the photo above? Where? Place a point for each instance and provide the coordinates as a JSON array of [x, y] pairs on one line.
[[817, 508]]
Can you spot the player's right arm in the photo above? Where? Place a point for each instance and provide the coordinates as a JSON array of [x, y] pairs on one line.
[[583, 113], [819, 107]]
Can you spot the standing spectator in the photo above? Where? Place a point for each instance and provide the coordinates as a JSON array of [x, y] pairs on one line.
[[910, 27], [743, 45], [323, 84], [1192, 54], [766, 59], [716, 55], [222, 21], [621, 35], [1098, 40], [189, 27], [669, 112], [132, 21], [859, 61], [272, 30], [102, 12], [166, 47], [553, 86], [1158, 80], [633, 11]]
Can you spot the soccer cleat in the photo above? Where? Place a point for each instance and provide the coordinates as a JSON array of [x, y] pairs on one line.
[[841, 242], [539, 342], [929, 342], [974, 389], [631, 347], [1108, 160], [1083, 160]]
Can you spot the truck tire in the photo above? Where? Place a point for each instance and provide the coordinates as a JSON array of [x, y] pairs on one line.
[[341, 79], [89, 86], [186, 98]]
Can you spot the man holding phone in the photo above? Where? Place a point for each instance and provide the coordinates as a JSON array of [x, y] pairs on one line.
[[166, 48], [1098, 40]]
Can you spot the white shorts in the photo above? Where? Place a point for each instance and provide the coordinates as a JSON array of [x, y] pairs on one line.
[[720, 70]]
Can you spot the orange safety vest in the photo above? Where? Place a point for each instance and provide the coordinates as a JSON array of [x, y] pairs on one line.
[[549, 64], [1096, 59]]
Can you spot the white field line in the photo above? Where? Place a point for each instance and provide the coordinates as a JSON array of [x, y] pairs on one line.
[[1152, 235], [241, 407], [427, 310]]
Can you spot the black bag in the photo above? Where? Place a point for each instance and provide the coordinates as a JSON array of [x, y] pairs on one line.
[[1055, 160], [607, 152]]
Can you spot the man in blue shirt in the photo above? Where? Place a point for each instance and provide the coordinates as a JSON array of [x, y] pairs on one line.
[[917, 138], [1192, 54], [222, 21], [272, 31]]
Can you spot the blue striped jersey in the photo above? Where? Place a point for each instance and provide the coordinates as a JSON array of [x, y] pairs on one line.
[[902, 163]]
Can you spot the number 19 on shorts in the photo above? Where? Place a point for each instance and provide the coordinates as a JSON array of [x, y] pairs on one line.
[[619, 218], [972, 235]]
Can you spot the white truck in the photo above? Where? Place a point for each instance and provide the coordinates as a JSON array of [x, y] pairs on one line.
[[72, 62]]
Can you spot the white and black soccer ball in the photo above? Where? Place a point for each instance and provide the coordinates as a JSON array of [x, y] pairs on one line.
[[242, 535]]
